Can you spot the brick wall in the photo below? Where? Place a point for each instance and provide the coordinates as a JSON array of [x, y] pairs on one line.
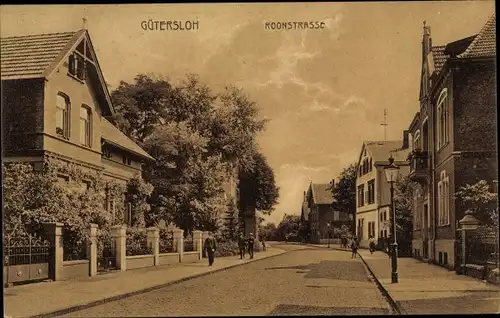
[[22, 116], [475, 107]]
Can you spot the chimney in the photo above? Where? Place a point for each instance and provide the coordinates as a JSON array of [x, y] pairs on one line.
[[406, 144]]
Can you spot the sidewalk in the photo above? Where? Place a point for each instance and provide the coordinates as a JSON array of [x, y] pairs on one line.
[[46, 298], [429, 289]]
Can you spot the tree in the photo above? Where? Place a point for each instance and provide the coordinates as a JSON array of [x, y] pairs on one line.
[[480, 201], [403, 203], [267, 231], [344, 191], [290, 226], [258, 186]]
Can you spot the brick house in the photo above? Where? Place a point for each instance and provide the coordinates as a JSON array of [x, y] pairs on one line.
[[373, 196], [55, 103], [322, 211], [454, 137]]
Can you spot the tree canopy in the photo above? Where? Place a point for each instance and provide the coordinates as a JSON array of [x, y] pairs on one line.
[[344, 190], [197, 138]]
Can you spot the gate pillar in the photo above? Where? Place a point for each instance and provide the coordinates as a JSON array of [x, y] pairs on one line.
[[119, 234], [53, 231], [92, 249]]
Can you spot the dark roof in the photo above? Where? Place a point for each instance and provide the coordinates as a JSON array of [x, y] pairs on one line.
[[381, 150], [321, 193], [30, 56], [484, 45], [113, 135], [439, 57]]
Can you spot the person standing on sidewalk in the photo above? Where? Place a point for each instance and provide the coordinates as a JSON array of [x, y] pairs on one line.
[[263, 240], [354, 247], [242, 246], [251, 242], [372, 244], [210, 247]]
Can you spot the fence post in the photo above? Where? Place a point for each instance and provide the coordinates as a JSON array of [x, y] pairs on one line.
[[54, 236], [179, 242], [197, 242], [204, 236], [119, 233], [92, 249], [153, 237]]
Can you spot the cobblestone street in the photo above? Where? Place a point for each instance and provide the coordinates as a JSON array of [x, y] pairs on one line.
[[306, 280]]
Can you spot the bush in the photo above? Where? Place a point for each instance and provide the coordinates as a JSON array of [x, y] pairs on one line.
[[226, 248], [137, 242]]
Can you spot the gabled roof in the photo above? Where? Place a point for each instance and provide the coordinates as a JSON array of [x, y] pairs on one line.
[[38, 55], [321, 193], [382, 150], [115, 137], [484, 44]]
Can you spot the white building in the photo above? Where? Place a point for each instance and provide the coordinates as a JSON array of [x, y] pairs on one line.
[[372, 190]]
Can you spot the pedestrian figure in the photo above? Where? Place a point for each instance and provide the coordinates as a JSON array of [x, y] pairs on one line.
[[210, 247], [372, 244], [354, 248], [242, 246], [263, 240], [286, 238], [251, 242], [344, 242]]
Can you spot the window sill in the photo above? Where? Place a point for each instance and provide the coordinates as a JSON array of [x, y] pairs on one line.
[[62, 137]]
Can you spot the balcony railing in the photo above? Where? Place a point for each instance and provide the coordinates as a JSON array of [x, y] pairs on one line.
[[419, 165]]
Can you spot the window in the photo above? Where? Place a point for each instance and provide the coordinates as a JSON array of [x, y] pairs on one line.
[[371, 191], [371, 229], [360, 171], [371, 164], [361, 197], [62, 115], [76, 66], [442, 120], [416, 209], [62, 178], [127, 217], [85, 125], [443, 199], [85, 186], [416, 140]]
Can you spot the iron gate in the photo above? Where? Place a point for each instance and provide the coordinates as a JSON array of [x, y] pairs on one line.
[[106, 258], [27, 259]]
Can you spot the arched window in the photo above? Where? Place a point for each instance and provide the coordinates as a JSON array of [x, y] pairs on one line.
[[442, 118], [443, 197], [62, 115], [85, 126], [416, 140]]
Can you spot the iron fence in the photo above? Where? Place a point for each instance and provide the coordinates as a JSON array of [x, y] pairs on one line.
[[138, 245], [106, 254], [167, 242], [188, 244], [481, 247], [27, 257]]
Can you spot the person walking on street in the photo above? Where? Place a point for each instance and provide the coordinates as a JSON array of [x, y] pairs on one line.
[[210, 247], [251, 242], [241, 245], [263, 240], [372, 244], [354, 248]]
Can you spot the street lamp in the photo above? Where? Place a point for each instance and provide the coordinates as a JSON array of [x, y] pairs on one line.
[[328, 233], [391, 174]]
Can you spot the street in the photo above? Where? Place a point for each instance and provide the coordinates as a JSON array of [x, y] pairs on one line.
[[304, 281]]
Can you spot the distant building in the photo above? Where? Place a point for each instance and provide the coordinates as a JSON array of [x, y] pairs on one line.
[[372, 189], [321, 211], [55, 104], [454, 137]]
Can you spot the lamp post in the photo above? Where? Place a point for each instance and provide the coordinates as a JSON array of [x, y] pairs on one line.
[[328, 233], [391, 174]]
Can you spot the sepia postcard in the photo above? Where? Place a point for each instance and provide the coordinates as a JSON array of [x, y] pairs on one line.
[[249, 159]]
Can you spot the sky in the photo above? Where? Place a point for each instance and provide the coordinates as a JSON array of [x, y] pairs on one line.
[[324, 91]]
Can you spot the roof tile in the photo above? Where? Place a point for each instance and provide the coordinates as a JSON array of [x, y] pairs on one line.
[[30, 55], [382, 150], [484, 45], [115, 136], [321, 193]]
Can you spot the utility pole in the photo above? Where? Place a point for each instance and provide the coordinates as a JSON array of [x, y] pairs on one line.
[[385, 124]]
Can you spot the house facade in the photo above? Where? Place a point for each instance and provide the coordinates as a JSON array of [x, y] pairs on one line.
[[373, 198], [55, 104], [454, 137], [322, 211]]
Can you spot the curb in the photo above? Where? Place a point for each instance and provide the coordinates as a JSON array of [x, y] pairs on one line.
[[145, 290], [394, 305]]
